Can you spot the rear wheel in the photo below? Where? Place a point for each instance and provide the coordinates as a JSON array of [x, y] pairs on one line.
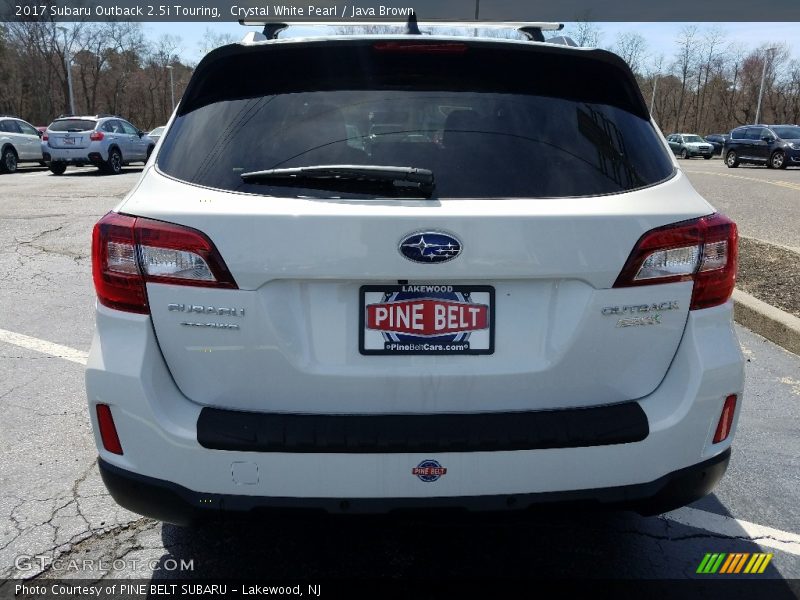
[[778, 160], [684, 153], [58, 168], [8, 162], [731, 160], [113, 165]]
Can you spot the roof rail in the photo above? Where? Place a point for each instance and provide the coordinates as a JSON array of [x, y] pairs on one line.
[[533, 31]]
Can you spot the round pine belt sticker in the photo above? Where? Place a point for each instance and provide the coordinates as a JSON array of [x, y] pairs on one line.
[[429, 470]]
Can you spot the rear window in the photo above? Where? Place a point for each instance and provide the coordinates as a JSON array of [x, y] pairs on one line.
[[72, 125], [487, 122]]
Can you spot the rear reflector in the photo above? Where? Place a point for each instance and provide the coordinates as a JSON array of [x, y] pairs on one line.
[[128, 252], [703, 250], [108, 431], [725, 419]]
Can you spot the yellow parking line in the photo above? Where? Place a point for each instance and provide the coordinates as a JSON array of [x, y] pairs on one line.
[[783, 184]]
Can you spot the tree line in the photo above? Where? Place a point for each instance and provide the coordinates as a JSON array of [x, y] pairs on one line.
[[114, 68], [708, 84]]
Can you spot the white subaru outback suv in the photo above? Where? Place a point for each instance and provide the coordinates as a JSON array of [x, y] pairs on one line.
[[370, 273]]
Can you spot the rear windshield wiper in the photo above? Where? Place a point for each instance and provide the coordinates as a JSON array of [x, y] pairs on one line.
[[342, 177]]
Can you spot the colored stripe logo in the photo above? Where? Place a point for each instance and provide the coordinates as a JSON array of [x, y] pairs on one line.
[[735, 563]]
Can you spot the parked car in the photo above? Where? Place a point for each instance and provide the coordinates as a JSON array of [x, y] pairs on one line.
[[107, 142], [718, 141], [776, 146], [19, 143], [155, 135], [689, 145], [534, 308]]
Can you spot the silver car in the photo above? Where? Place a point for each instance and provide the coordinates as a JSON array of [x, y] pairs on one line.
[[107, 142], [19, 142]]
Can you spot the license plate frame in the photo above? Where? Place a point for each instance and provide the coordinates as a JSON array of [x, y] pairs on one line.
[[422, 345]]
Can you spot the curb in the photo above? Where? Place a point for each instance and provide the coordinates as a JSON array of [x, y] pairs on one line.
[[767, 321]]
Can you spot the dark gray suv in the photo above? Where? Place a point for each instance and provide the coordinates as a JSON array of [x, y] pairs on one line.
[[776, 146]]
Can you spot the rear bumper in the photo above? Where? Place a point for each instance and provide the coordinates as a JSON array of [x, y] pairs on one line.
[[90, 155], [158, 429], [173, 503]]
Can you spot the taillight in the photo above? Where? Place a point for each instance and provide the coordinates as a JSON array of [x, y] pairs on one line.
[[703, 250], [96, 136], [45, 137], [128, 252], [725, 419]]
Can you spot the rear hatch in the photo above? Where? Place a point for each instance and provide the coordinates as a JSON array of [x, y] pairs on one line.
[[70, 133], [490, 289]]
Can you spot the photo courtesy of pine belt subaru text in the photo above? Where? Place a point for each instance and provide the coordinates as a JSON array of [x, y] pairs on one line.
[[387, 272]]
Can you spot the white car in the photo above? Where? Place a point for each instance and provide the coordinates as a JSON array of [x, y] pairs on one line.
[[19, 143], [391, 272]]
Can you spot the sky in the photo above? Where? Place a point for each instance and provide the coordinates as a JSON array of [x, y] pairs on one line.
[[660, 36]]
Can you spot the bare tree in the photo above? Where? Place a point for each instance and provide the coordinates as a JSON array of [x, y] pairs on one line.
[[685, 60], [632, 47]]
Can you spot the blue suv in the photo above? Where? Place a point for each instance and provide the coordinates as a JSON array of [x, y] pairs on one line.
[[105, 141]]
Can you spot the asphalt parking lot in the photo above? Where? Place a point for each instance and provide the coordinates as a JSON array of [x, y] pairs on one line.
[[53, 504]]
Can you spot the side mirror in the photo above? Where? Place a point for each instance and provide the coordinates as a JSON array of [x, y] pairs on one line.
[[139, 132]]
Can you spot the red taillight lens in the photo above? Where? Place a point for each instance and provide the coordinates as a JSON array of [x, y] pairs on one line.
[[703, 250], [44, 137], [108, 431], [115, 268], [421, 47], [725, 419], [127, 252], [96, 136]]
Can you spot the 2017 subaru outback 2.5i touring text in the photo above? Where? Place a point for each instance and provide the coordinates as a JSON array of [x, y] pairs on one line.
[[369, 273]]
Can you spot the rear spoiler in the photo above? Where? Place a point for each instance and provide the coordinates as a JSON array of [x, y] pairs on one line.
[[532, 30]]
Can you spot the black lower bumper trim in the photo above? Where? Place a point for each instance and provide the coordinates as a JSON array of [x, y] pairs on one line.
[[173, 503], [220, 429]]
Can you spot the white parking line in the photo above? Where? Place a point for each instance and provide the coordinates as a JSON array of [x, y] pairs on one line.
[[43, 346], [691, 517], [736, 528]]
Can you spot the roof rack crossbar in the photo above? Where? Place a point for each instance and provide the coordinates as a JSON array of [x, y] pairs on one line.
[[533, 31]]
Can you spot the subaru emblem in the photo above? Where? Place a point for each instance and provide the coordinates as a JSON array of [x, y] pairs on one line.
[[430, 247]]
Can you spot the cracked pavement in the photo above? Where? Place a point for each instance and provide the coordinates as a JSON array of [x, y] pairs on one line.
[[53, 504]]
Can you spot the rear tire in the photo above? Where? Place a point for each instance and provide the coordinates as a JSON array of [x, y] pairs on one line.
[[731, 160], [58, 168], [113, 166], [8, 162], [777, 160]]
